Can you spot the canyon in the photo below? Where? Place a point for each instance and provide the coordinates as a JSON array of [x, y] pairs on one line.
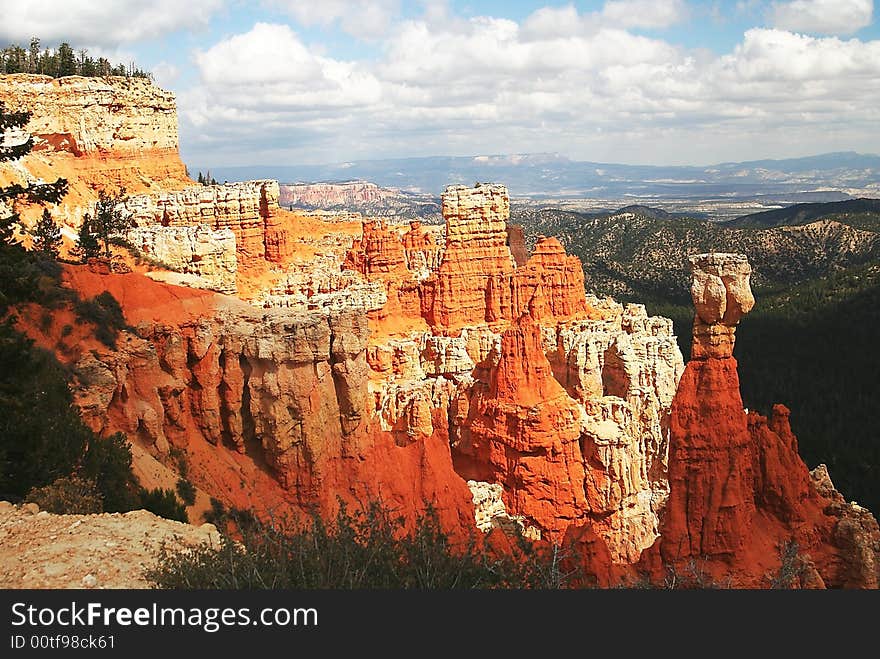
[[294, 362]]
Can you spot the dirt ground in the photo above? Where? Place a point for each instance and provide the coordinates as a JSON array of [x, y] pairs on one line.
[[110, 550]]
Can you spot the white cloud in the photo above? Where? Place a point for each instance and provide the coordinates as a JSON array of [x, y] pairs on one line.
[[776, 55], [644, 13], [567, 21], [366, 19], [822, 16], [107, 24], [267, 74], [165, 74], [594, 91]]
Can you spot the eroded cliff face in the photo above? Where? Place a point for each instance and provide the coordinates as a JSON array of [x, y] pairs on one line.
[[558, 401], [98, 133], [195, 250], [353, 373], [328, 195], [248, 209], [269, 408], [738, 488], [422, 366], [533, 408]]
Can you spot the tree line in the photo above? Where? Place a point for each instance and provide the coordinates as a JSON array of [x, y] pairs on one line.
[[62, 61]]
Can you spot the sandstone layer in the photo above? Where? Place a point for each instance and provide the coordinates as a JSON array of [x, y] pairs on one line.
[[422, 366], [108, 133], [328, 195], [268, 407], [248, 209], [196, 250]]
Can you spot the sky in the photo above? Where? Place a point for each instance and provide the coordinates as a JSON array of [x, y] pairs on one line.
[[290, 82]]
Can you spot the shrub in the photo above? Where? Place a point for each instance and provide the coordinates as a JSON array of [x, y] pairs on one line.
[[105, 313], [163, 503], [107, 461], [41, 434], [187, 492], [217, 514], [68, 495], [366, 549], [792, 566]]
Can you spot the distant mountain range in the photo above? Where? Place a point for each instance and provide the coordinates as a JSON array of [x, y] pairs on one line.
[[805, 213], [826, 177]]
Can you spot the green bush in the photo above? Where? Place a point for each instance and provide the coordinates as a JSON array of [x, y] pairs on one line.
[[41, 434], [217, 514], [107, 461], [68, 495], [105, 313], [186, 491], [163, 503], [367, 549]]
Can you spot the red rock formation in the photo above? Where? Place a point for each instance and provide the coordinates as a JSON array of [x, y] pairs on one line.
[[711, 500], [478, 281], [551, 284], [738, 488], [421, 249], [516, 242], [268, 408], [379, 253], [98, 133], [330, 195], [476, 251], [522, 431]]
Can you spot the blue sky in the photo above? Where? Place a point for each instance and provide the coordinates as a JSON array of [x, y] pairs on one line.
[[635, 81]]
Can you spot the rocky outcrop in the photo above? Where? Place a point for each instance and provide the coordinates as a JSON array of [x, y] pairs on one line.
[[379, 253], [195, 250], [320, 286], [381, 256], [422, 250], [476, 252], [722, 296], [98, 133], [560, 401], [549, 285], [711, 505], [91, 115], [248, 209], [110, 550], [589, 457], [478, 280], [523, 432], [739, 491], [516, 242], [247, 377], [270, 407]]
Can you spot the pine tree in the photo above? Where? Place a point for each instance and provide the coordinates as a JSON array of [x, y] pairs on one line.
[[34, 192], [109, 219], [66, 60], [47, 235], [34, 55], [18, 268], [87, 245]]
